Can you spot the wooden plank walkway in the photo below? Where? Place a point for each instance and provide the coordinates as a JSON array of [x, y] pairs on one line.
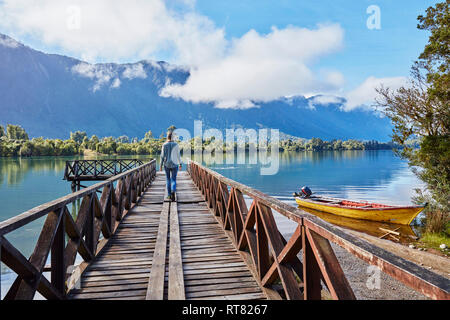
[[169, 250]]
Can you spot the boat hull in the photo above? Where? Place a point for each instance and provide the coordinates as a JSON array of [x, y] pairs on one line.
[[398, 215]]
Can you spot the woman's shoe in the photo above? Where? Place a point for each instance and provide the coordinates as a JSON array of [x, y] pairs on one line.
[[172, 196]]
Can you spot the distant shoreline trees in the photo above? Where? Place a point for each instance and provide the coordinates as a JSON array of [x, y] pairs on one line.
[[14, 142]]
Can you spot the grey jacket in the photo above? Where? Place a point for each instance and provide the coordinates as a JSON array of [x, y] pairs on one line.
[[170, 155]]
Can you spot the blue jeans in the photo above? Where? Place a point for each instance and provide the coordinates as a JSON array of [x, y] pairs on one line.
[[171, 178]]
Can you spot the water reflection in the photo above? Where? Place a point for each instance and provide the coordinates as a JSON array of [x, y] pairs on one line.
[[14, 170], [406, 234]]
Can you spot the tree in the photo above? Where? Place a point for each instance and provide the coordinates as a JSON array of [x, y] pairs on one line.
[[26, 150], [93, 142], [436, 55], [78, 136], [2, 131], [148, 136], [315, 144], [123, 139], [422, 110], [14, 132]]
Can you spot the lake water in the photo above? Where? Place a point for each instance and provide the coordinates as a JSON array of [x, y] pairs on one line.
[[377, 176]]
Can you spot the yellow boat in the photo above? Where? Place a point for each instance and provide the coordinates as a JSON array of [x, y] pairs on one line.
[[361, 210], [404, 233]]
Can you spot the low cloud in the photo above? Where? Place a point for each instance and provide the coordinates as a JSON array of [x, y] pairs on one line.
[[100, 74], [364, 95], [134, 71], [116, 83], [261, 68], [324, 100]]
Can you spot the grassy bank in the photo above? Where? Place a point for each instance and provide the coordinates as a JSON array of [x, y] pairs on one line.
[[434, 241]]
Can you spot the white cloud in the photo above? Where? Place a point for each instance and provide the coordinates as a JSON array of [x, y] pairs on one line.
[[134, 71], [101, 74], [259, 67], [235, 104], [364, 95], [115, 30], [116, 83], [323, 100]]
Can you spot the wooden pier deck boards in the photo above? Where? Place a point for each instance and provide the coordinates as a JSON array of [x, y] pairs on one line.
[[166, 250]]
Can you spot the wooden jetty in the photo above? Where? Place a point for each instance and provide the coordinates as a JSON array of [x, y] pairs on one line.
[[133, 244], [94, 170]]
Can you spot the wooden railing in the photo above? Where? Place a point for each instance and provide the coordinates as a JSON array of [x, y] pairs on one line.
[[79, 170], [95, 222], [275, 260]]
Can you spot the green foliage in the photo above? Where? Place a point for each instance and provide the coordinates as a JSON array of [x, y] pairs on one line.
[[107, 145], [123, 139], [317, 144], [436, 54], [422, 111], [14, 132], [78, 136], [148, 137], [26, 150], [434, 240], [79, 142], [2, 131]]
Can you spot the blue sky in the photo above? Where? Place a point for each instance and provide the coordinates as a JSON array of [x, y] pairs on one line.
[[239, 52], [387, 52]]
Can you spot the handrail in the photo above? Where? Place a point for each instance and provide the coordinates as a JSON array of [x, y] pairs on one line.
[[95, 217], [254, 231]]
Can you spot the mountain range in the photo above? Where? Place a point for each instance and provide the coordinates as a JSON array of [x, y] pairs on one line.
[[51, 95]]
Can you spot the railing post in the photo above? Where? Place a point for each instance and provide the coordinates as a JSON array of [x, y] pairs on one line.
[[76, 169], [311, 271], [119, 199], [106, 204], [58, 268], [262, 248], [133, 188], [89, 229]]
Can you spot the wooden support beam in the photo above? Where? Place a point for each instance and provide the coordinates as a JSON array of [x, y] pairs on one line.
[[331, 270], [14, 259], [27, 290], [311, 271], [58, 269]]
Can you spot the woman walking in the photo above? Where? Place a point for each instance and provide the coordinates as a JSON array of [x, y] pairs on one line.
[[170, 160]]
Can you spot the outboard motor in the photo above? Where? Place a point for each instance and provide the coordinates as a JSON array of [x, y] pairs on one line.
[[306, 192]]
